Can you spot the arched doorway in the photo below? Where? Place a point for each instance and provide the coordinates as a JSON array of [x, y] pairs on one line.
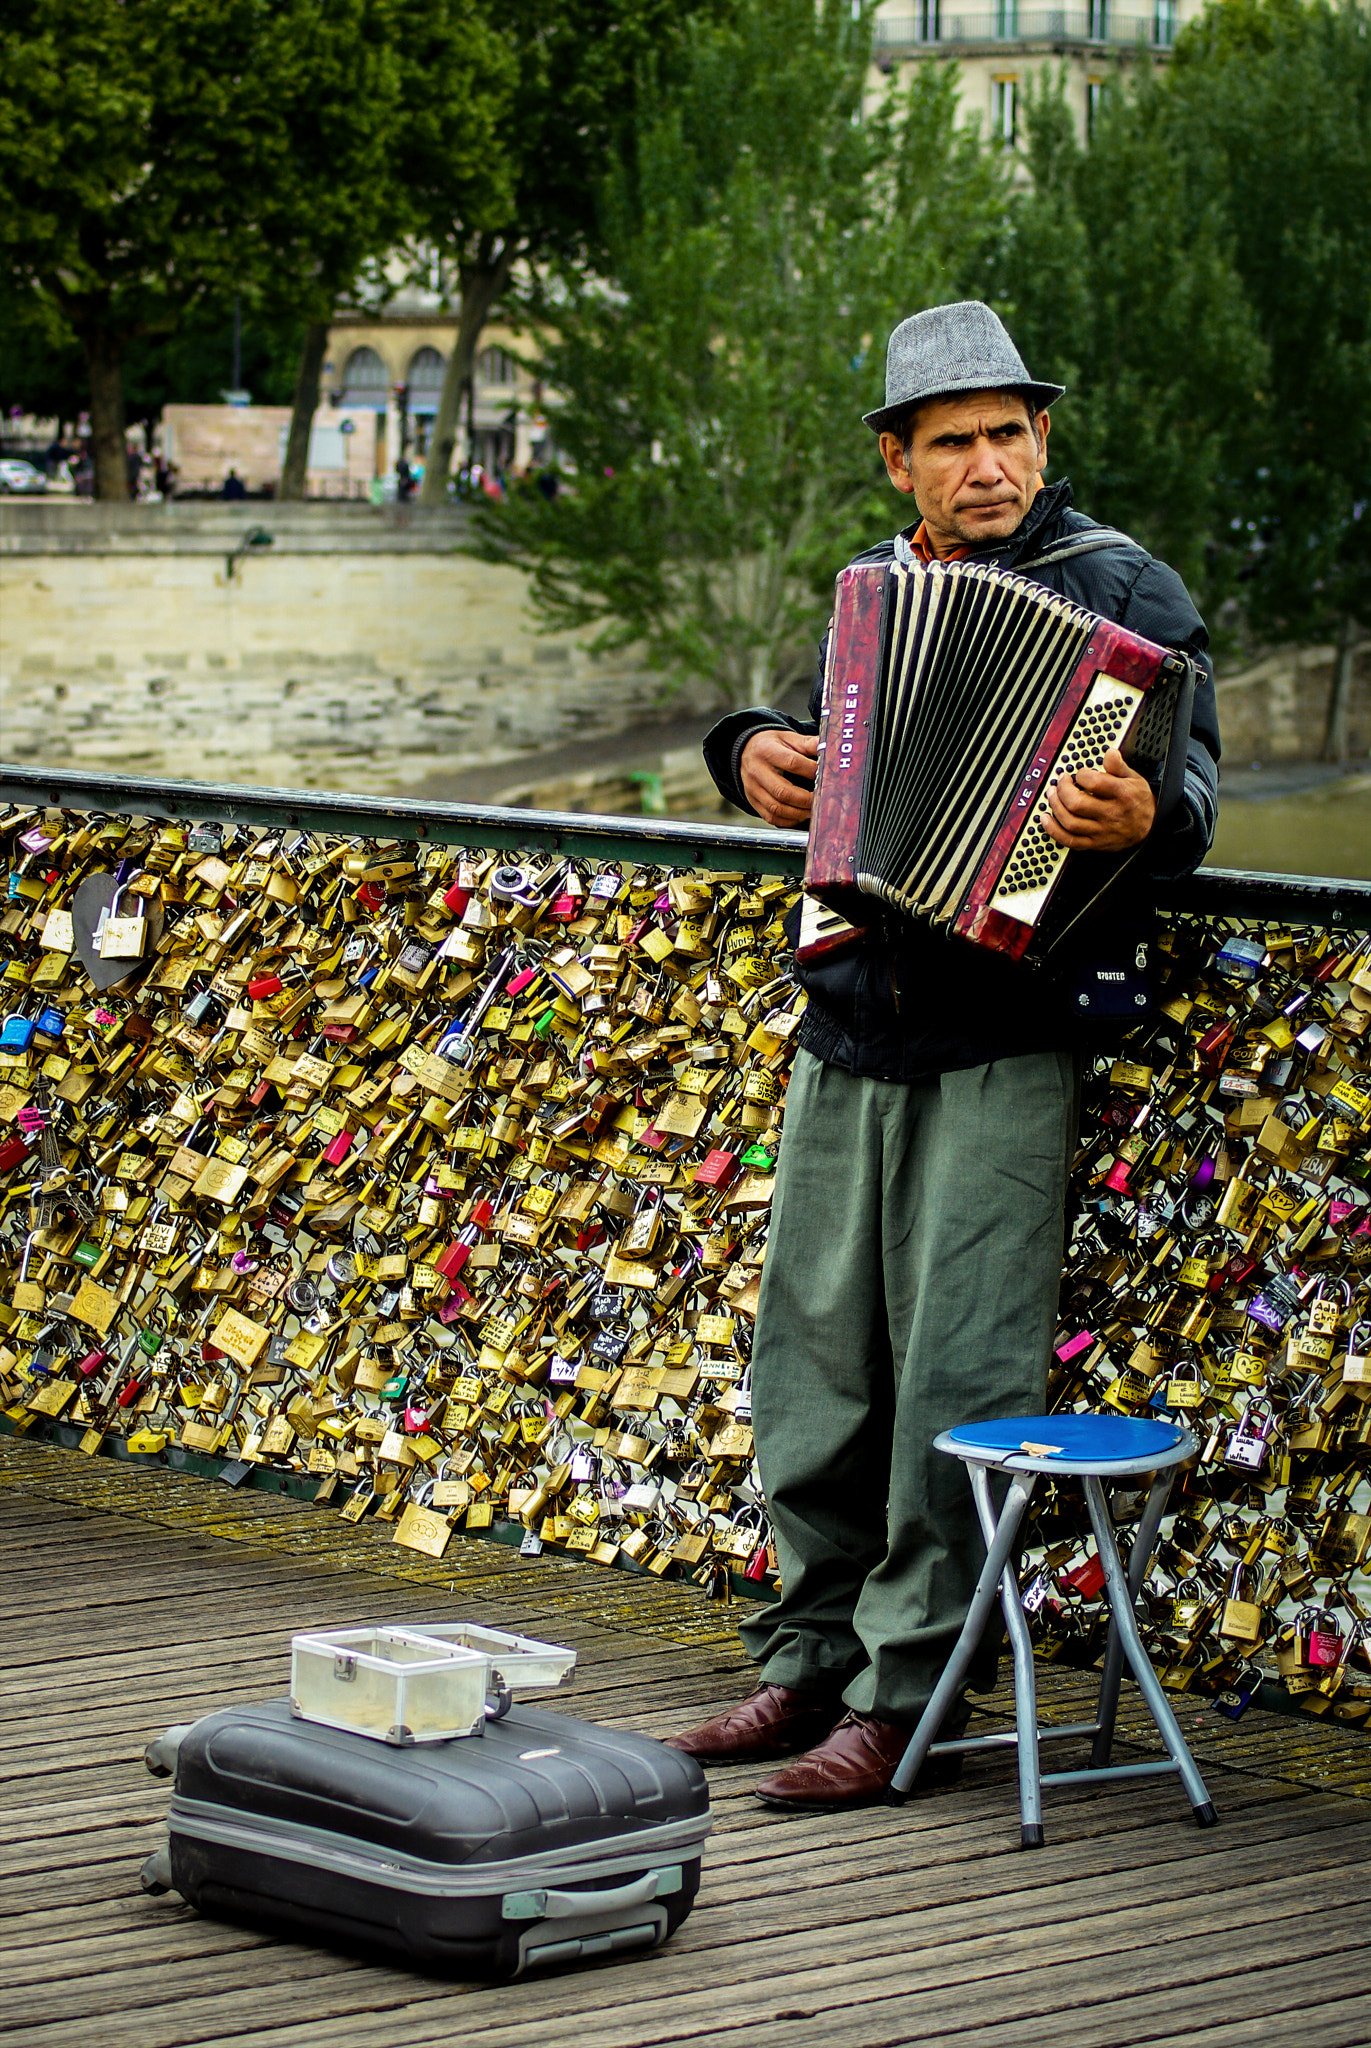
[[365, 381], [425, 380]]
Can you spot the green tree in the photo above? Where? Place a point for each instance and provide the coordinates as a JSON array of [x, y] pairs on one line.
[[1119, 280], [759, 241], [530, 200], [403, 91], [1274, 98], [156, 155]]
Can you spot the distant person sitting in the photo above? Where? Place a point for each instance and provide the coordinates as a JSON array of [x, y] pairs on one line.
[[234, 487], [405, 484]]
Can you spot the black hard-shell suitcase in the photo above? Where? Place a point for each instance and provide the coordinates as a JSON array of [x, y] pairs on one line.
[[543, 1840]]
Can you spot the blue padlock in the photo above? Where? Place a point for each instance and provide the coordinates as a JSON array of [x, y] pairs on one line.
[[16, 1033], [51, 1022]]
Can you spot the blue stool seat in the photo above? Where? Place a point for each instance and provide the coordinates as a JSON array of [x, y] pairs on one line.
[[1087, 1448], [1066, 1442]]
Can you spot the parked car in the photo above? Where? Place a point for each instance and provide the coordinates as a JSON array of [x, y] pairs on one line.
[[20, 476]]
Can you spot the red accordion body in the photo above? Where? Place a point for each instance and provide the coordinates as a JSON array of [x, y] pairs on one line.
[[955, 695]]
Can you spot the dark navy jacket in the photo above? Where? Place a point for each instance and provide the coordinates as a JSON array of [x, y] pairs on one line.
[[907, 1003]]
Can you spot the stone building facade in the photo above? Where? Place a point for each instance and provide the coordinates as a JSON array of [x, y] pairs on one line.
[[998, 45]]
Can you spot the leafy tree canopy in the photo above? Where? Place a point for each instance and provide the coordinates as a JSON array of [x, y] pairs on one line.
[[759, 240], [532, 199], [158, 154]]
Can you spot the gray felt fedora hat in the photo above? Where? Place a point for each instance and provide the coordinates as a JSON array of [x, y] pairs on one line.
[[964, 347]]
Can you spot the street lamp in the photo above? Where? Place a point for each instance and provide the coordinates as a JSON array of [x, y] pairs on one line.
[[253, 542]]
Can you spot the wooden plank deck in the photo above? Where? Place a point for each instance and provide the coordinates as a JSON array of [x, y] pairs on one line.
[[133, 1599]]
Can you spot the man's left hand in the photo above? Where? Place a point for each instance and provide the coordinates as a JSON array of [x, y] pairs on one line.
[[1102, 810]]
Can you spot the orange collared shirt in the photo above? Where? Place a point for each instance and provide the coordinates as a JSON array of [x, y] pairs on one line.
[[920, 545]]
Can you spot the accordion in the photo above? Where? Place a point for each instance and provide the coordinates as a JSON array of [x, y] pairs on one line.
[[955, 695]]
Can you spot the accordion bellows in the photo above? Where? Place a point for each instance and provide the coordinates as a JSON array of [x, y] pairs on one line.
[[955, 696]]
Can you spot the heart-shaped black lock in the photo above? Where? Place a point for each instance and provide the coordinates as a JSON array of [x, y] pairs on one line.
[[95, 894]]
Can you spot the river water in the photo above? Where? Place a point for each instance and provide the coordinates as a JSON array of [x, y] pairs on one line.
[[1304, 819]]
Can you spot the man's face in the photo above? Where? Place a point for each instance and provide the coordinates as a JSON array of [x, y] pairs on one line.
[[973, 466]]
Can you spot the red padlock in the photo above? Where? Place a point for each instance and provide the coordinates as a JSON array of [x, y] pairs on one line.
[[1212, 1048], [338, 1150], [451, 1262], [456, 897], [718, 1170], [15, 1149], [265, 985], [130, 1393], [1087, 1579], [92, 1362]]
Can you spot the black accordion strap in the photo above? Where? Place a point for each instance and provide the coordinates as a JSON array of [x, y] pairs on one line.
[[1079, 544]]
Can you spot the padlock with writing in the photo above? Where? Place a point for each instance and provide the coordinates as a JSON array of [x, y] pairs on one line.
[[1243, 1618]]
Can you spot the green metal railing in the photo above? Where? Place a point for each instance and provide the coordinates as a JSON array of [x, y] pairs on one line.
[[1212, 892]]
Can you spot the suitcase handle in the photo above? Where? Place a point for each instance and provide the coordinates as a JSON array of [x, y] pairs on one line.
[[654, 1884]]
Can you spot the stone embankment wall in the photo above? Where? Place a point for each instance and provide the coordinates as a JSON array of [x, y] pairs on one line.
[[1274, 709], [363, 650]]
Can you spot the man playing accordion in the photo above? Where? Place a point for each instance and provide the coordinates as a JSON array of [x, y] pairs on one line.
[[915, 1252]]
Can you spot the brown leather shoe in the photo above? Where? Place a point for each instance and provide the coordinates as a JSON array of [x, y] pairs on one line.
[[853, 1767], [773, 1721]]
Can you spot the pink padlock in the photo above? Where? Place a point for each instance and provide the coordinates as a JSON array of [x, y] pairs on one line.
[[337, 1151], [1325, 1647], [416, 1420], [564, 906], [520, 981], [455, 1303]]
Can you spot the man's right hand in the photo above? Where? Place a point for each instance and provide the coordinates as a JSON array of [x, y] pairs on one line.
[[777, 770]]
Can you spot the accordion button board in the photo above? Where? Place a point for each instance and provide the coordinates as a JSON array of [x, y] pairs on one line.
[[1037, 859]]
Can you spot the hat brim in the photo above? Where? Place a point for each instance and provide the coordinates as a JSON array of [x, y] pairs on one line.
[[1040, 396]]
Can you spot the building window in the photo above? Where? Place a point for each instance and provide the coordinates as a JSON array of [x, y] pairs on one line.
[[365, 372], [927, 21], [426, 370], [1164, 23], [366, 381], [1094, 105], [1007, 19], [493, 366], [1098, 26], [1004, 111]]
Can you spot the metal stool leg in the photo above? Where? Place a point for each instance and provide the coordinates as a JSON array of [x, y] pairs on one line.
[[1121, 1605], [1138, 1560], [1025, 1680], [999, 1550]]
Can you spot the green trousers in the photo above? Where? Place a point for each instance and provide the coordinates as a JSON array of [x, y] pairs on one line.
[[910, 1284]]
